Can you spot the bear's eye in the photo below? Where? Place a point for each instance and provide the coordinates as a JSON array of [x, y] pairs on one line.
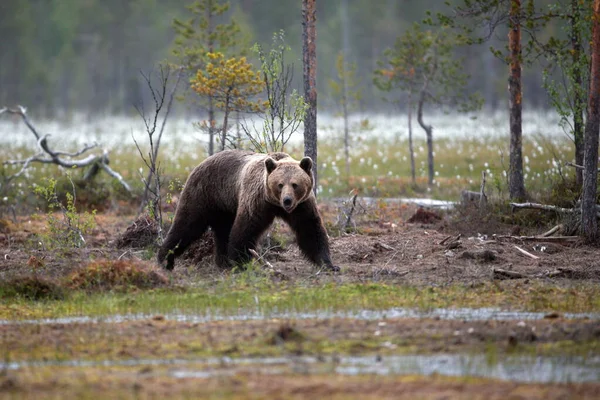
[[280, 186], [295, 186]]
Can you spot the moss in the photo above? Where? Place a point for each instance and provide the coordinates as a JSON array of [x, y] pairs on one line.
[[32, 288]]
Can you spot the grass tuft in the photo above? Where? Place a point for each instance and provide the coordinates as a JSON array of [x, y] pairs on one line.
[[32, 287], [119, 275]]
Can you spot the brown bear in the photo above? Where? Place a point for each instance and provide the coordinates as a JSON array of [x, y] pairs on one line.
[[239, 194]]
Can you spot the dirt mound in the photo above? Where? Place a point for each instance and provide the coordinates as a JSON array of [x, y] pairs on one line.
[[423, 216], [201, 250], [141, 233], [116, 275]]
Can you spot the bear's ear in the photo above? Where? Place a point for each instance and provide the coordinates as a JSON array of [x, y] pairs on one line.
[[270, 164], [306, 164]]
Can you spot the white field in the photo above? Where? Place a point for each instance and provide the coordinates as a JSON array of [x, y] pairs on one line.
[[180, 134], [182, 140]]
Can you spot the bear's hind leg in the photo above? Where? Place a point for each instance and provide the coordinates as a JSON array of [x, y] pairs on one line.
[[245, 234], [222, 229], [183, 232]]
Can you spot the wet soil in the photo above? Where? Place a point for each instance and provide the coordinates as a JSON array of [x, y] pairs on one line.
[[152, 382], [157, 337], [380, 246]]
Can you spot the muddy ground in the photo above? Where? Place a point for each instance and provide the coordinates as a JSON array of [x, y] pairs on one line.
[[434, 248]]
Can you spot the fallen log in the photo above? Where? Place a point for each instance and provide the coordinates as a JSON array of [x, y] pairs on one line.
[[548, 207], [60, 158], [550, 239]]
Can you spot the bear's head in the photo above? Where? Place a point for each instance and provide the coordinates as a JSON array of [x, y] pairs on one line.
[[289, 182]]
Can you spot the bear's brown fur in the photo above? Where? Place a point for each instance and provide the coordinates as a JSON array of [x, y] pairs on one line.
[[239, 194]]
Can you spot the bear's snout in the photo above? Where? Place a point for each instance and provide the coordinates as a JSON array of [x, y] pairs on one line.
[[288, 203]]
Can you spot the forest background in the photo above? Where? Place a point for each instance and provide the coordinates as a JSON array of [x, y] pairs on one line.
[[63, 56]]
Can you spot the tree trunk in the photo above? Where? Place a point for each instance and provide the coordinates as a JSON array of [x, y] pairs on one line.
[[225, 123], [211, 127], [346, 54], [589, 222], [309, 36], [579, 100], [515, 182], [411, 149], [429, 132], [346, 129], [211, 107]]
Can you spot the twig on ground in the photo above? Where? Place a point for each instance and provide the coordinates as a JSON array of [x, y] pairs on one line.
[[385, 246], [552, 231], [265, 264], [525, 252], [445, 240], [498, 273], [553, 239]]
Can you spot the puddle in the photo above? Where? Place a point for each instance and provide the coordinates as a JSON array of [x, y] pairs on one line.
[[421, 202], [520, 368], [467, 314]]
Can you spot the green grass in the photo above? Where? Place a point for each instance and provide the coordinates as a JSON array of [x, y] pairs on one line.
[[234, 297], [378, 168]]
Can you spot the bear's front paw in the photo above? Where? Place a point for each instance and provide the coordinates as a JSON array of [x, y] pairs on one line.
[[332, 268]]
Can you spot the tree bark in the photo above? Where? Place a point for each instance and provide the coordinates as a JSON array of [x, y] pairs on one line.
[[411, 149], [309, 36], [225, 124], [346, 54], [579, 100], [515, 182], [346, 128], [211, 107], [428, 132], [589, 222]]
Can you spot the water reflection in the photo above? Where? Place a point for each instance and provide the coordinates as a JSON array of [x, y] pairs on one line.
[[518, 368], [466, 314]]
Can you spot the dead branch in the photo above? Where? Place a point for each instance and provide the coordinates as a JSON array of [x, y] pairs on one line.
[[552, 231], [384, 246], [576, 166], [451, 242], [568, 273], [548, 207], [152, 184], [267, 265], [445, 240], [351, 212], [498, 273], [483, 197], [545, 207], [528, 254], [162, 128], [551, 239], [49, 156]]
